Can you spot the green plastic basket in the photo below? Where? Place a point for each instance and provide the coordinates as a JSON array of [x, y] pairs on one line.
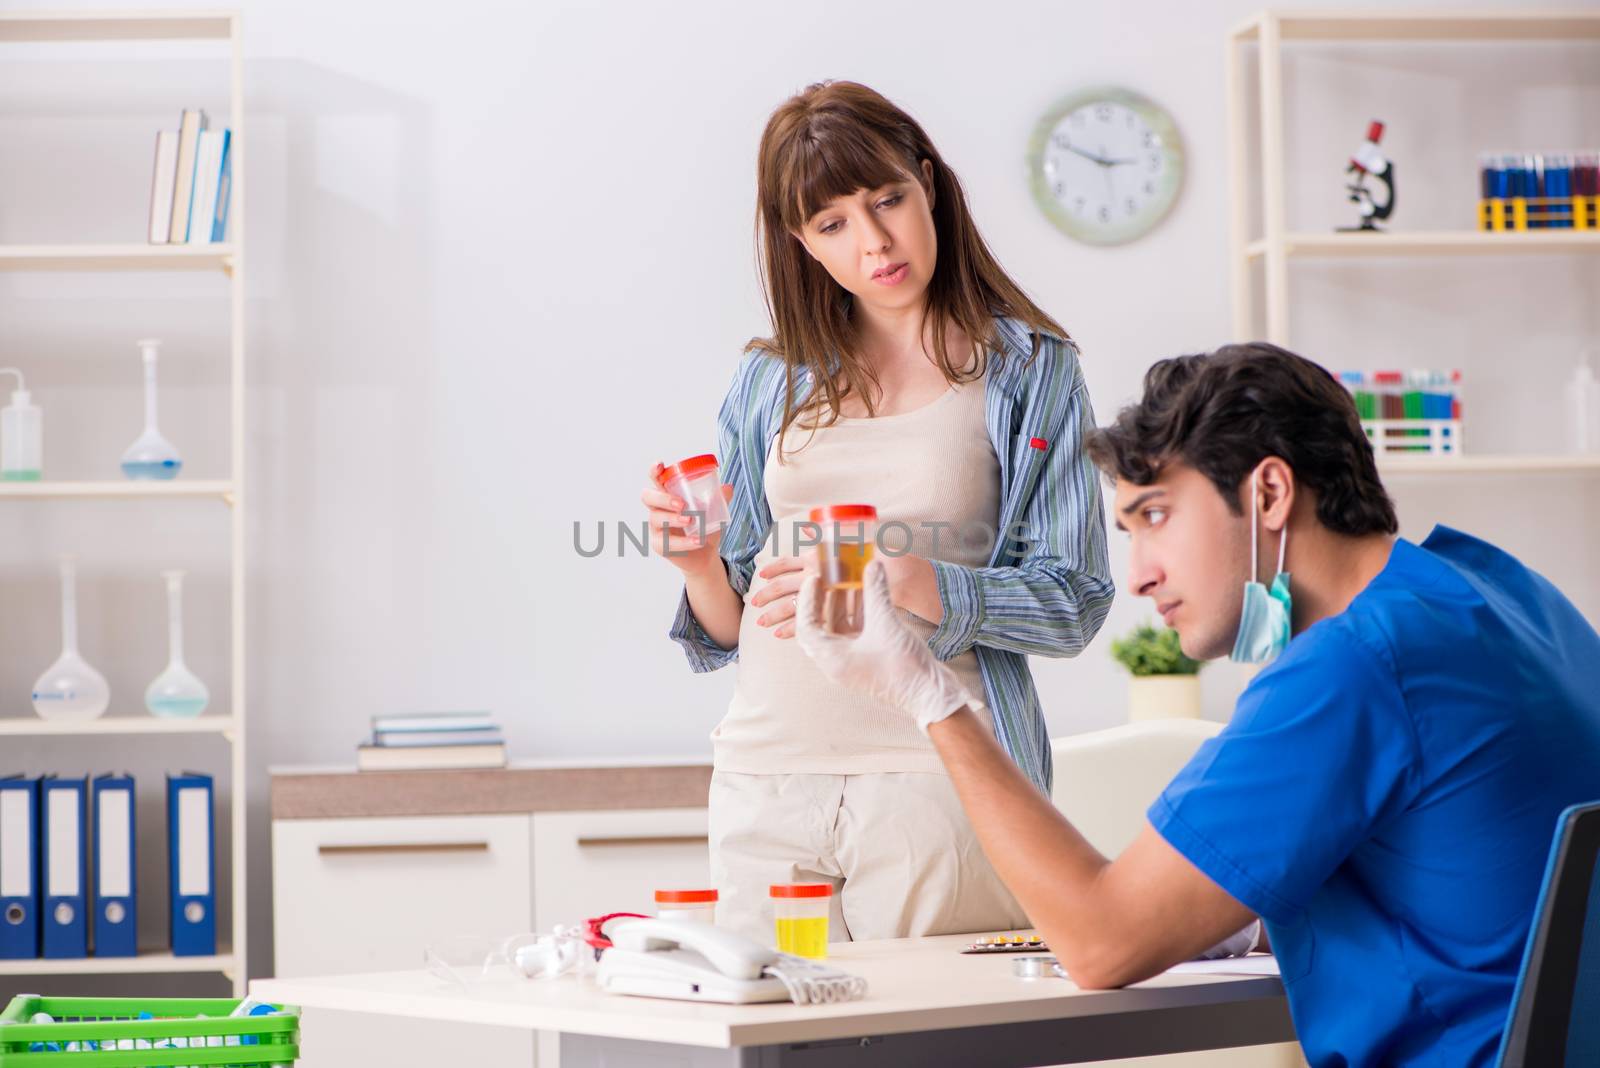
[[113, 1024]]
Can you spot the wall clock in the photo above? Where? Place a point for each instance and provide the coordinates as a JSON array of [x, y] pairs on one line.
[[1105, 165]]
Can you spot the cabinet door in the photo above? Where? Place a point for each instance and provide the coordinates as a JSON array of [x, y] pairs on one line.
[[366, 895], [590, 863]]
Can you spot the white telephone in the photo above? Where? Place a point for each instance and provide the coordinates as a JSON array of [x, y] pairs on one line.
[[698, 962]]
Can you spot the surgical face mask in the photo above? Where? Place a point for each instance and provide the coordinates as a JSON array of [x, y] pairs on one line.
[[1264, 619]]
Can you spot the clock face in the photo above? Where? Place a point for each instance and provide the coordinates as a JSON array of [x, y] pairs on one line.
[[1105, 165]]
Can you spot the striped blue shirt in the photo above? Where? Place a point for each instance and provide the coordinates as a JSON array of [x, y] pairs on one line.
[[1047, 587]]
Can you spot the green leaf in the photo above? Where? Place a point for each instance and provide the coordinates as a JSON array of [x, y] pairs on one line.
[[1150, 650]]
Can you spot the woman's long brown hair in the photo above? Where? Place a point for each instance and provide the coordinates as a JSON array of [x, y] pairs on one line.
[[829, 141]]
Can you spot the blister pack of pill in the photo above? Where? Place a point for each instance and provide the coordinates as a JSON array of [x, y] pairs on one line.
[[1015, 943]]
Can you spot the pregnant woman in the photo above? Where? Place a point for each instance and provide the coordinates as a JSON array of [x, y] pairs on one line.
[[905, 370]]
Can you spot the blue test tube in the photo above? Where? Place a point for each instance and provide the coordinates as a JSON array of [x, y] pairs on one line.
[[1489, 175], [1558, 184]]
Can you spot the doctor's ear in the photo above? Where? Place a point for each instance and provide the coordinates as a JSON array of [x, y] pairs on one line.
[[1275, 492], [927, 181]]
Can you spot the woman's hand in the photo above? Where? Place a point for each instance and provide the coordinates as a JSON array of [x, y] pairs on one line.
[[913, 585], [669, 526], [777, 597]]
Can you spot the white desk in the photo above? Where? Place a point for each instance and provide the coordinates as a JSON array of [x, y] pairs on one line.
[[926, 1005]]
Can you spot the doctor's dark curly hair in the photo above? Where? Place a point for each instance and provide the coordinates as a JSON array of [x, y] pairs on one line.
[[1224, 412]]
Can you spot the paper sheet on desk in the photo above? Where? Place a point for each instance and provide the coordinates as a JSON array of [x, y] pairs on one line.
[[1255, 964]]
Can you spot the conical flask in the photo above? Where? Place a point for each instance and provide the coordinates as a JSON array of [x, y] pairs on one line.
[[176, 692], [151, 456], [70, 689]]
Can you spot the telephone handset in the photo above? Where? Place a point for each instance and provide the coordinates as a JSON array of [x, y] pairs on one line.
[[687, 960], [698, 962]]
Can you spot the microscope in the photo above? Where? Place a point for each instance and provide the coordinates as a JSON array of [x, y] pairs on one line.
[[1370, 162]]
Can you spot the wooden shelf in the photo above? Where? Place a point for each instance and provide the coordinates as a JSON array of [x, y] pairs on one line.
[[1377, 25], [116, 26], [219, 488], [137, 37], [1432, 243], [148, 961], [1488, 464], [217, 257], [34, 726]]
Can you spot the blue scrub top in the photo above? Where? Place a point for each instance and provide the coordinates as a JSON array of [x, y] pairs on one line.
[[1386, 795]]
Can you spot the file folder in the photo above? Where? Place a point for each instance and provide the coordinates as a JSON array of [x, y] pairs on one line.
[[115, 925], [19, 868], [191, 832], [63, 806]]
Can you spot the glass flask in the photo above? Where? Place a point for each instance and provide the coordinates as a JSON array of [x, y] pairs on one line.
[[70, 689], [151, 456], [176, 691]]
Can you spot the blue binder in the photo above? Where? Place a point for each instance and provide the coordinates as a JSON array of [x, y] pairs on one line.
[[191, 884], [115, 925], [19, 868], [63, 805]]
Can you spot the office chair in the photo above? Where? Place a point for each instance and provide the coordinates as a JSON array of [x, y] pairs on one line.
[[1555, 1010]]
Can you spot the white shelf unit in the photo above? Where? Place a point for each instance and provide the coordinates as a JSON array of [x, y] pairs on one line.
[[222, 489], [1501, 464], [117, 257], [222, 27], [144, 964], [1277, 245], [133, 723]]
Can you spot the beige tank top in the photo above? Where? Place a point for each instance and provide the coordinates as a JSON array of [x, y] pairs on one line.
[[934, 470]]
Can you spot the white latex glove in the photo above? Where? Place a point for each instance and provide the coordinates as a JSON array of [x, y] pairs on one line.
[[885, 660], [1235, 945]]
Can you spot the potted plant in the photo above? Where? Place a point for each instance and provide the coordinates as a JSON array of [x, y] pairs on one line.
[[1165, 683]]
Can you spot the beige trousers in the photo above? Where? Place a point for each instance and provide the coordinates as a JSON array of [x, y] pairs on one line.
[[897, 847]]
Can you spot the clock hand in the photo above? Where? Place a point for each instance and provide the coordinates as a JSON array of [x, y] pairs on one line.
[[1090, 156]]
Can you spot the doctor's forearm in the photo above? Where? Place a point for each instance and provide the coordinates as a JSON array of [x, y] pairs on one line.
[[1048, 865], [1110, 923]]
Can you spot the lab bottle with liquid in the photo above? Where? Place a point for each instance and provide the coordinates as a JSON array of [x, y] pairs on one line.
[[151, 456], [176, 692], [70, 689]]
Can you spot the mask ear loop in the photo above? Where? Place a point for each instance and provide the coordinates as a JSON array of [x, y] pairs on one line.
[[1283, 546], [1254, 520]]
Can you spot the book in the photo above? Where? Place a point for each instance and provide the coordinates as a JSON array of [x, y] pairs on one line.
[[415, 758], [433, 721], [219, 219], [207, 170], [162, 183], [410, 739], [189, 128]]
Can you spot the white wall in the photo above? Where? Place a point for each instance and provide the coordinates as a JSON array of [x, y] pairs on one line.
[[500, 261]]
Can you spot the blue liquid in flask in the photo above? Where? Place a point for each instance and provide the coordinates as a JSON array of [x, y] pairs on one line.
[[162, 470], [176, 706]]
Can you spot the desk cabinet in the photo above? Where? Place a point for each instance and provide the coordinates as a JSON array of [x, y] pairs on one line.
[[368, 894]]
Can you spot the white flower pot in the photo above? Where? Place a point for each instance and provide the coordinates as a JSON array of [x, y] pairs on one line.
[[1163, 697]]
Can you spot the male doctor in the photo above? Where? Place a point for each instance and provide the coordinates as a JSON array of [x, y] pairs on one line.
[[1385, 794]]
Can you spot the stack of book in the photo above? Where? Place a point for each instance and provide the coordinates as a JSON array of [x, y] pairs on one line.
[[433, 740], [190, 191]]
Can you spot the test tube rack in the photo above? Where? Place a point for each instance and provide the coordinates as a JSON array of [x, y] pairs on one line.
[[1516, 214], [1415, 413]]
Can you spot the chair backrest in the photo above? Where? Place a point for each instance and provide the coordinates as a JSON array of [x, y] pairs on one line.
[[1105, 780], [1561, 966]]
